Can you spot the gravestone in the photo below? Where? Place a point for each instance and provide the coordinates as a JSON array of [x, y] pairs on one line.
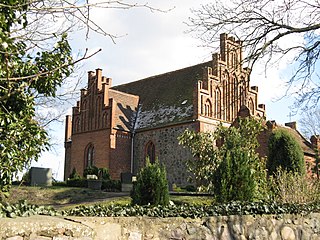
[[41, 176]]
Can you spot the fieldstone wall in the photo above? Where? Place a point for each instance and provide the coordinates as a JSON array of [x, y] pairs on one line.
[[168, 151], [273, 227]]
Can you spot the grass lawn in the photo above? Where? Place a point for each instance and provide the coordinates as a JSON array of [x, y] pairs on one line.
[[69, 197], [63, 196]]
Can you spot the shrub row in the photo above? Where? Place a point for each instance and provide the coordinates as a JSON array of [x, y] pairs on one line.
[[108, 185], [192, 211], [186, 211]]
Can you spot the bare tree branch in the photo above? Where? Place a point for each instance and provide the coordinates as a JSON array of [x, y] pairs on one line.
[[271, 31]]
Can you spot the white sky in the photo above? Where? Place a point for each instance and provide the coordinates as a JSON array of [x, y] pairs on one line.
[[154, 43]]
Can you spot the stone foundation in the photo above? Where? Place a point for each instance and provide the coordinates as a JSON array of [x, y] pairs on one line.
[[273, 227]]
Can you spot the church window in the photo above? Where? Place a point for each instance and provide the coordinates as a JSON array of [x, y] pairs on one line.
[[232, 100], [242, 95], [84, 116], [151, 152], [89, 155], [208, 108], [105, 120], [226, 99], [201, 105], [77, 125], [251, 106], [217, 107], [98, 112]]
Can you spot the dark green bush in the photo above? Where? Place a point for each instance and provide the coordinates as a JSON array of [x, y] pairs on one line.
[[103, 174], [81, 182], [91, 170], [74, 174], [284, 152], [151, 186], [190, 188], [59, 184], [111, 185]]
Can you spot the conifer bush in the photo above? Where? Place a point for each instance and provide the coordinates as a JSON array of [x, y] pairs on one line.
[[151, 186], [284, 152]]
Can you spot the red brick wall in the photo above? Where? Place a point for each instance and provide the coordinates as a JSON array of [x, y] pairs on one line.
[[101, 142], [120, 154]]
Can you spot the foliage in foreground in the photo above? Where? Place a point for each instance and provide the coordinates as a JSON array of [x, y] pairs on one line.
[[186, 210], [151, 186], [233, 170], [26, 72]]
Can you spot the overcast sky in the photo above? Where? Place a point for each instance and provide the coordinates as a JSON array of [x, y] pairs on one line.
[[153, 43]]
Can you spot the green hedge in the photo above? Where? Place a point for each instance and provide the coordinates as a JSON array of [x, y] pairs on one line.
[[186, 211], [107, 185], [192, 211]]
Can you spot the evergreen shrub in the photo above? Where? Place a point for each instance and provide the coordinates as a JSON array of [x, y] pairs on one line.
[[111, 185], [284, 152], [151, 186]]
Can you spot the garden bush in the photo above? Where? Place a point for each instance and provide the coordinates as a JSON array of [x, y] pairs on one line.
[[284, 152], [81, 182], [233, 170], [111, 185], [292, 187], [91, 170], [151, 186], [101, 173], [74, 174]]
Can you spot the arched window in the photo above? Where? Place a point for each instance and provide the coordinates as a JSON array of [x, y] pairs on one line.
[[84, 115], [208, 108], [105, 120], [89, 155], [226, 98], [77, 125], [151, 152], [242, 95], [236, 97], [98, 112], [217, 105], [251, 106]]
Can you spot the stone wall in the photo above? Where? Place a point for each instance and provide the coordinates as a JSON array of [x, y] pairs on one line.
[[167, 150], [273, 227]]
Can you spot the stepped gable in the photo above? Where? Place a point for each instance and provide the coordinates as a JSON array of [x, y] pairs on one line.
[[166, 98]]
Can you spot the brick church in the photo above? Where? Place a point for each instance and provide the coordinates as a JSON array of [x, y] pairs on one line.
[[118, 127]]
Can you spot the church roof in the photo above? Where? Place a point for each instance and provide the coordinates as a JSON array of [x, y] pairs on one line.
[[166, 98], [304, 143]]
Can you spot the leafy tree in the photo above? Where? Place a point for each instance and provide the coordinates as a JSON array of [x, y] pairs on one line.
[[271, 30], [233, 170], [285, 152], [151, 186], [36, 58]]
